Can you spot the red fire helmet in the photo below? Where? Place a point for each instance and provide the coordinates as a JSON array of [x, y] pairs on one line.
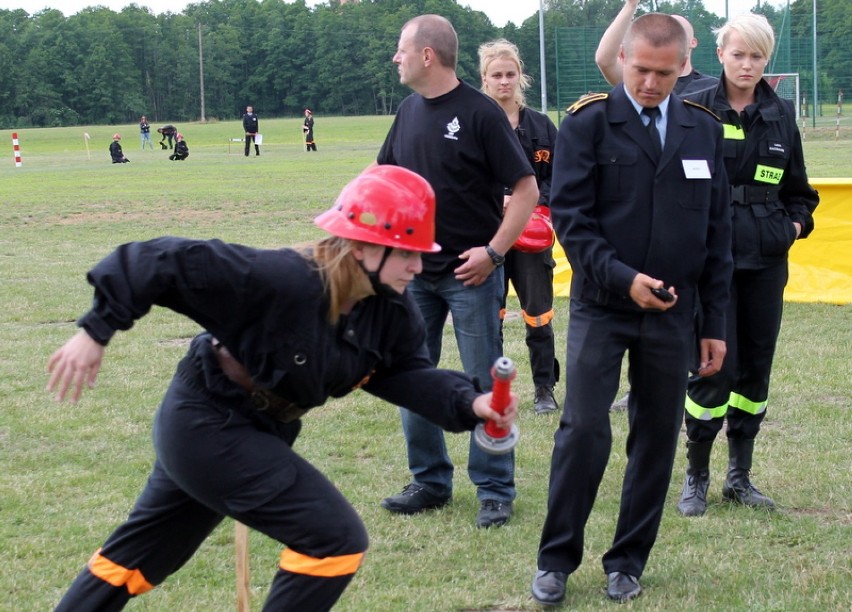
[[538, 232], [385, 205]]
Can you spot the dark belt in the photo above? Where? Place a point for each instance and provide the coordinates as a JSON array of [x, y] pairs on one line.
[[748, 194], [264, 400]]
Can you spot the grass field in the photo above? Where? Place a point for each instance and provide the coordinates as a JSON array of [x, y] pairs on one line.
[[70, 473]]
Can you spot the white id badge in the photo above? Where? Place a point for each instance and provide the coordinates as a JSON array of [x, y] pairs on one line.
[[696, 168]]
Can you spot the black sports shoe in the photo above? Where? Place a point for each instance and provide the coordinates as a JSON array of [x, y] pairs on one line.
[[493, 513], [414, 499], [544, 401]]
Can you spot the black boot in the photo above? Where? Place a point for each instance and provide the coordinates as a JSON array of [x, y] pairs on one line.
[[693, 498], [738, 487]]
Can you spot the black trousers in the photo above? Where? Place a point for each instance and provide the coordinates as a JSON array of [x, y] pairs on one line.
[[659, 346], [531, 275], [215, 460], [250, 139], [754, 322]]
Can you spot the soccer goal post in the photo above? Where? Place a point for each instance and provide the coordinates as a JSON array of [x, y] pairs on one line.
[[786, 85]]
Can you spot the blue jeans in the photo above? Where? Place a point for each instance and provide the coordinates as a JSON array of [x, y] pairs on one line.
[[476, 322]]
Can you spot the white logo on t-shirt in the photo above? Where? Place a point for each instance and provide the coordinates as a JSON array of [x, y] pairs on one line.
[[452, 128]]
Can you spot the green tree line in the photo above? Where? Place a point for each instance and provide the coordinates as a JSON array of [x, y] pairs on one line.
[[99, 66]]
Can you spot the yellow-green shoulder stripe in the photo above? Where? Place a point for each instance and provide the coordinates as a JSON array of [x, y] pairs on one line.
[[704, 108], [585, 101]]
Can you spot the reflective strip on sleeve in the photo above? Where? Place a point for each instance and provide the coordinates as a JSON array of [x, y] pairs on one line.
[[733, 132], [705, 414], [117, 576], [327, 567], [539, 321], [746, 405]]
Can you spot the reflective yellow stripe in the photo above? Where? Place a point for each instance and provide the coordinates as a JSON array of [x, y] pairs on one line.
[[768, 174], [705, 414], [746, 405], [733, 132], [327, 567], [117, 575], [539, 321]]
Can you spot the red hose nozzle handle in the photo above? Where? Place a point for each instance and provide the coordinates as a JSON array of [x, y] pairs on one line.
[[503, 372], [490, 437]]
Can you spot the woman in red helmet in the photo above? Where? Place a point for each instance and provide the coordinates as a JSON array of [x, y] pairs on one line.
[[285, 330]]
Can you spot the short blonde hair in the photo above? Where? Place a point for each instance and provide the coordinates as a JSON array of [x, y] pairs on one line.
[[754, 30], [503, 49]]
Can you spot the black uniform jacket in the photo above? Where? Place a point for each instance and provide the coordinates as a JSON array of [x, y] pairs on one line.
[[269, 309], [617, 213], [763, 152], [537, 136], [250, 123]]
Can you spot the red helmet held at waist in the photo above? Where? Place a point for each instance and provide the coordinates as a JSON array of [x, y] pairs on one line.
[[385, 205], [538, 232]]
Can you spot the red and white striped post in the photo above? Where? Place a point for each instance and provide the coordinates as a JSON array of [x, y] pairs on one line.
[[17, 148]]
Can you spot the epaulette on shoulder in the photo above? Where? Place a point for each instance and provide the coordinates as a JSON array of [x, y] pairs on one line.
[[585, 101], [704, 108]]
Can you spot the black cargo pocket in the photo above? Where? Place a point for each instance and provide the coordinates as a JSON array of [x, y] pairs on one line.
[[775, 230]]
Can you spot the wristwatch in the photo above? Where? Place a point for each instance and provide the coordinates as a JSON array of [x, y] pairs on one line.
[[497, 259]]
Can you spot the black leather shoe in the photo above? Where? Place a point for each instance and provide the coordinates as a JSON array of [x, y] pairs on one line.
[[548, 588], [493, 513], [414, 499], [622, 587]]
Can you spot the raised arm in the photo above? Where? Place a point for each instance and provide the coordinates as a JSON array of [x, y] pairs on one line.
[[606, 56]]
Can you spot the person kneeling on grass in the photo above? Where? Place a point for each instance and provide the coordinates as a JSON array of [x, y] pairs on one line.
[[181, 149], [285, 330], [115, 151]]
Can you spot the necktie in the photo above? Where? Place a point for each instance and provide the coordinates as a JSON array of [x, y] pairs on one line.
[[656, 142]]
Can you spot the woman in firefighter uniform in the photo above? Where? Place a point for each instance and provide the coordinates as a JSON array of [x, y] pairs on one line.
[[772, 205], [285, 330], [529, 263]]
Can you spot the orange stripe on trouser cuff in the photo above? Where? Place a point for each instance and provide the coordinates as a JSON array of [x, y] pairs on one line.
[[117, 575], [327, 567], [539, 321]]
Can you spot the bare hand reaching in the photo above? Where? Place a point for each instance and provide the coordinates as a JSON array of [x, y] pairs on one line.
[[75, 364]]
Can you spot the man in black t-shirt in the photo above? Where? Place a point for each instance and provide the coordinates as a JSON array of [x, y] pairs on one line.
[[462, 143]]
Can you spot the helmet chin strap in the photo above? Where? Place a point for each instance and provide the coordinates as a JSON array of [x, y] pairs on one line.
[[379, 287]]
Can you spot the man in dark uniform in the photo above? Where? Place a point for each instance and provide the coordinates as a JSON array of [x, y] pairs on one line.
[[607, 60], [639, 203], [250, 126]]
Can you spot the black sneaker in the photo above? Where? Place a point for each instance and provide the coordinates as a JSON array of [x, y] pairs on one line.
[[414, 499], [544, 401], [493, 513]]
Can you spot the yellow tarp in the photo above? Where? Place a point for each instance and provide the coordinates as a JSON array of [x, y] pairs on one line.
[[820, 265]]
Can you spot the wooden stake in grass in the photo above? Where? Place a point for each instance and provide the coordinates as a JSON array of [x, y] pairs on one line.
[[241, 546]]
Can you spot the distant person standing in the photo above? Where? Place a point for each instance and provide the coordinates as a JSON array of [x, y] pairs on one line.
[[181, 149], [250, 127], [145, 132], [167, 131], [308, 129], [115, 151]]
